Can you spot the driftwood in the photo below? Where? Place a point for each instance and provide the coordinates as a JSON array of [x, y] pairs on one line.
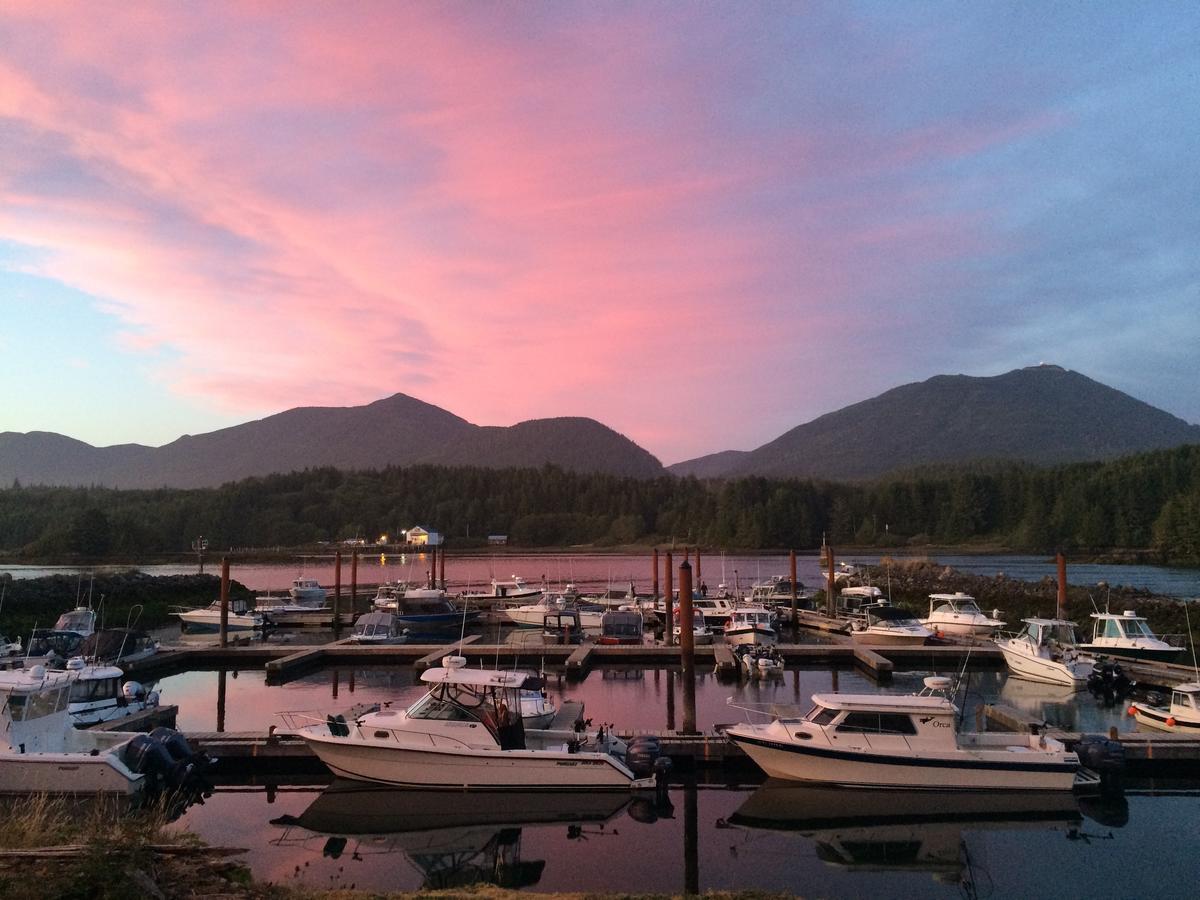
[[160, 849]]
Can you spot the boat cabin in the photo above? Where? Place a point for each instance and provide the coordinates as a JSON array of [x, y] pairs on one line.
[[562, 626], [956, 603], [1129, 626], [884, 719], [376, 626], [1185, 700], [34, 710], [1049, 633], [81, 621], [620, 627], [459, 696], [884, 615]]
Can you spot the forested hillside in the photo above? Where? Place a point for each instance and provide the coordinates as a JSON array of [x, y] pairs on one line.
[[1149, 501]]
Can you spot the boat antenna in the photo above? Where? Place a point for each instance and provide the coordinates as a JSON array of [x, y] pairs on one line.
[[967, 690], [1191, 640]]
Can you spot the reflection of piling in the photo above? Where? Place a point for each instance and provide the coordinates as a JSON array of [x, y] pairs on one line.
[[691, 840], [669, 604], [795, 599], [670, 700], [829, 604], [337, 590], [353, 584], [221, 700], [687, 648], [336, 681], [654, 581], [1061, 601], [224, 600]]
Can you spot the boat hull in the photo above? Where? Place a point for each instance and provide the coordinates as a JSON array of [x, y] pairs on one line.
[[1149, 654], [67, 773], [1158, 718], [452, 768], [198, 620], [757, 636], [1047, 671], [889, 638], [929, 771]]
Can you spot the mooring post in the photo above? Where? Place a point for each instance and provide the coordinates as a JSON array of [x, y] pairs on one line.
[[687, 648], [224, 600], [337, 590], [669, 604], [699, 580], [829, 604], [795, 600], [654, 581], [221, 676], [442, 567], [353, 584], [1061, 601]]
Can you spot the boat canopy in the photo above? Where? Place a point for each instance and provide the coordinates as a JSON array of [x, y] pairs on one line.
[[926, 704], [479, 678]]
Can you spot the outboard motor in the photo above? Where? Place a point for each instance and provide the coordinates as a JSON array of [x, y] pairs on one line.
[[1106, 757], [146, 756], [641, 755], [1109, 683]]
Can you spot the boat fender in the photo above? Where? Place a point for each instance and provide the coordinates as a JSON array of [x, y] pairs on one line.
[[1170, 721], [1132, 710]]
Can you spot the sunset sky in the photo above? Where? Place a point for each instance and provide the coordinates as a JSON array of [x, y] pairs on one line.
[[701, 223]]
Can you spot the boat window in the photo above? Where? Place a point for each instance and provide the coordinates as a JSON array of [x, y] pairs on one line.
[[821, 715], [878, 723], [1063, 633], [1138, 628], [43, 703], [431, 707], [16, 707], [1181, 699], [1112, 629], [92, 689], [945, 608]]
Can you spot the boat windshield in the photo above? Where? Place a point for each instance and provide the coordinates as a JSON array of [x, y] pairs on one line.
[[89, 690], [889, 616], [1183, 699], [23, 707], [1061, 632], [821, 715], [1136, 628]]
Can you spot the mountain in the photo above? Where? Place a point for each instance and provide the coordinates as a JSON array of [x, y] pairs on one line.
[[714, 465], [1042, 414], [399, 430]]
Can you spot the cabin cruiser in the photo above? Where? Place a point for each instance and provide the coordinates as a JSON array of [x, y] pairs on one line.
[[912, 742], [118, 645], [621, 626], [1129, 637], [80, 621], [958, 614], [851, 600], [1046, 651], [884, 624], [534, 615], [751, 625], [377, 628], [777, 591], [1182, 714], [461, 734], [308, 593], [700, 630], [99, 694], [208, 618], [515, 590], [428, 610]]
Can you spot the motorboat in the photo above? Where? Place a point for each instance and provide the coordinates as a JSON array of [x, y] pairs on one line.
[[429, 611], [533, 615], [1045, 650], [715, 609], [377, 628], [701, 634], [777, 591], [537, 709], [42, 751], [958, 614], [851, 600], [461, 734], [751, 625], [1182, 714], [208, 618], [118, 645], [759, 660], [10, 648], [887, 625], [1129, 637], [621, 627], [903, 741], [308, 593], [514, 590], [52, 648], [80, 621], [100, 693]]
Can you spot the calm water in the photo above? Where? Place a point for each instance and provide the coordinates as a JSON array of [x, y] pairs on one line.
[[591, 571]]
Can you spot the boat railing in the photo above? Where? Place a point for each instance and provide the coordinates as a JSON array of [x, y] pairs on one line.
[[296, 720]]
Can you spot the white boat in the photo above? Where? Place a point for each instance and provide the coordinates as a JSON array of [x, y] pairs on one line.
[[537, 709], [80, 621], [377, 628], [1181, 715], [514, 590], [1129, 637], [118, 645], [100, 694], [533, 615], [887, 625], [959, 614], [42, 751], [621, 627], [10, 648], [777, 591], [701, 634], [912, 742], [209, 617], [760, 660], [751, 625], [1046, 651], [461, 734], [308, 593]]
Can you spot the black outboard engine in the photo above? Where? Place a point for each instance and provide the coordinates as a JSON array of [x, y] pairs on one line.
[[1109, 683], [1106, 757], [641, 754], [170, 765]]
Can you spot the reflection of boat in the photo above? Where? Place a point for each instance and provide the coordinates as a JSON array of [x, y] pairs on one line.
[[898, 829], [452, 838], [1183, 713], [1129, 637], [904, 741], [1045, 650], [462, 734], [960, 615]]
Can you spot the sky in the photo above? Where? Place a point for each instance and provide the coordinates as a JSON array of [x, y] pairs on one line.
[[700, 223]]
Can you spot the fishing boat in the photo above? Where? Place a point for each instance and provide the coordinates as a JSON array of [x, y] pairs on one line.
[[429, 611], [514, 590], [308, 593], [100, 693], [701, 634], [887, 625], [461, 734], [958, 614], [118, 645], [913, 742], [1129, 637], [208, 618], [621, 627], [1182, 714], [533, 615], [1045, 650], [751, 625], [377, 628]]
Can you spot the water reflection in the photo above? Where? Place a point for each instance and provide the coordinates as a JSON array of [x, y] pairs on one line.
[[451, 839], [921, 831]]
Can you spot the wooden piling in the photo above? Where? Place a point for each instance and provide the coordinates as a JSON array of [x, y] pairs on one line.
[[1061, 600], [337, 590], [442, 567], [669, 605], [687, 648], [795, 600], [654, 581], [224, 601], [698, 577], [830, 606], [353, 585]]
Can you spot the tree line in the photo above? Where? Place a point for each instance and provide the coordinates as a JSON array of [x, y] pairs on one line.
[[1149, 502]]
